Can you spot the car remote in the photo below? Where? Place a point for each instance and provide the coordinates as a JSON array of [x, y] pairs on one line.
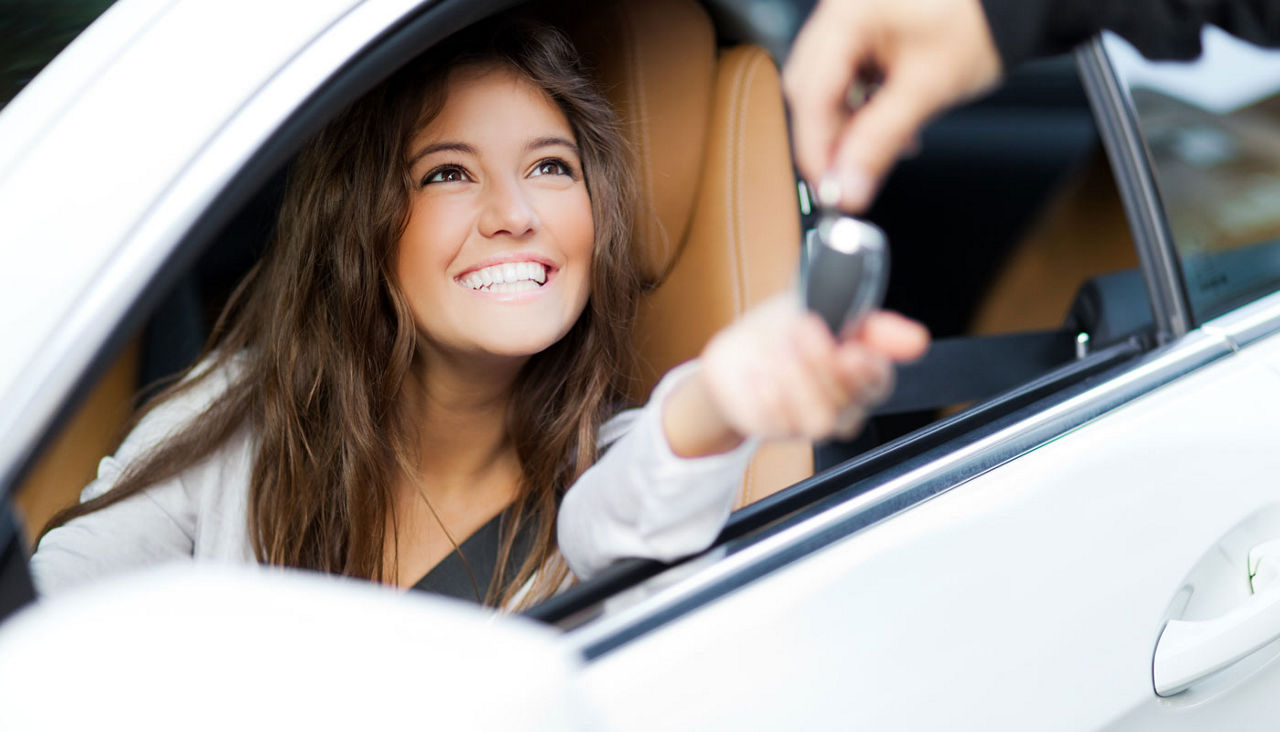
[[847, 271]]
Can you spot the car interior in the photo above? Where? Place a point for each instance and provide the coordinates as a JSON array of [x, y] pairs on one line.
[[1007, 234]]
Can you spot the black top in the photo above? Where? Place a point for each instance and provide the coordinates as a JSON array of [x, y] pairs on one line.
[[469, 578], [1160, 29]]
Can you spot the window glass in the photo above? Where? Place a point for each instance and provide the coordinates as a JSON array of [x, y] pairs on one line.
[[1212, 128], [34, 31]]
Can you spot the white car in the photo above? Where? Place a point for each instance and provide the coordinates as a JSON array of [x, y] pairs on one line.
[[1048, 526]]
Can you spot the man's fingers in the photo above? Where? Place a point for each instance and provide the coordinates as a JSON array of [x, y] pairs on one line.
[[818, 73], [880, 132]]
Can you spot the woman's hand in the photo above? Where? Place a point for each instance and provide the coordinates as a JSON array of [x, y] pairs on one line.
[[778, 373]]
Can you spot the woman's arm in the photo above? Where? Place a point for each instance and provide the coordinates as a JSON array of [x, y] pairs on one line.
[[641, 499], [162, 522], [665, 489], [149, 528]]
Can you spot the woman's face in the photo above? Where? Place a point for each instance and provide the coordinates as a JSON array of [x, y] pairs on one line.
[[496, 257]]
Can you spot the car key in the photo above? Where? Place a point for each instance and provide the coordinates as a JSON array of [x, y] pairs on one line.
[[847, 271]]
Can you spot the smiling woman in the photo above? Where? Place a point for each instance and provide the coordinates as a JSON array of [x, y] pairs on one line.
[[422, 370]]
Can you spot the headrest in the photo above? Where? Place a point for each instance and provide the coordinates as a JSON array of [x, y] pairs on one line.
[[656, 60]]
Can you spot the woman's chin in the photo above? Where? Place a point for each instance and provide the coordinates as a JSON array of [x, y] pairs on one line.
[[521, 346]]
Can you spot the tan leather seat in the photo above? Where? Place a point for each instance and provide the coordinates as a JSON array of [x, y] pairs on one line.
[[70, 462], [719, 226]]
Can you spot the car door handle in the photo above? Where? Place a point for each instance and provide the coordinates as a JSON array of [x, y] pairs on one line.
[[1190, 650]]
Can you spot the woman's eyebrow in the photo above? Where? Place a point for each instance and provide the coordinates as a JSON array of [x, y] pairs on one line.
[[551, 141], [436, 147]]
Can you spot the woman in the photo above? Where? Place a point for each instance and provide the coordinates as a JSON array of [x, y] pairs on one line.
[[431, 349]]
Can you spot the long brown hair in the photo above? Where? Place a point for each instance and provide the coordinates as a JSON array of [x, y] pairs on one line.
[[318, 340]]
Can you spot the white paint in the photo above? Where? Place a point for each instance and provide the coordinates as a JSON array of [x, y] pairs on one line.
[[1029, 597], [88, 176], [222, 648]]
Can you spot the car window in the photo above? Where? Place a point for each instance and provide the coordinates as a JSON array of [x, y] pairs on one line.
[[1010, 242], [35, 32], [1213, 135]]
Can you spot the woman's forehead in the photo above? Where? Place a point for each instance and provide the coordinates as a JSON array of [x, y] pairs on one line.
[[482, 95]]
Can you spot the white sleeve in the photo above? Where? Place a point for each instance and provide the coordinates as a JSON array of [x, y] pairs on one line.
[[642, 500], [154, 526], [145, 529]]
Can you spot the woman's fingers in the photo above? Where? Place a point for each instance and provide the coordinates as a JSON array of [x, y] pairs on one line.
[[896, 336], [866, 374], [816, 348], [814, 394], [778, 372]]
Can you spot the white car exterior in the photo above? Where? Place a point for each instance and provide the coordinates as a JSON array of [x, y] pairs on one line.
[[1020, 580]]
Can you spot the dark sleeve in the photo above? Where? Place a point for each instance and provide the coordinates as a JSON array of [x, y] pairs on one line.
[[1160, 29]]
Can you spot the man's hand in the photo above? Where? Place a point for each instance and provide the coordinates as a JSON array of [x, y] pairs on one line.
[[931, 53]]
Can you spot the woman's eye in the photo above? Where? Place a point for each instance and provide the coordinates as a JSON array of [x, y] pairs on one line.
[[445, 174], [553, 166]]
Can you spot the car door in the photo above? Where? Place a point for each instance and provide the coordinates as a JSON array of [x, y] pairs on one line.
[[1095, 558]]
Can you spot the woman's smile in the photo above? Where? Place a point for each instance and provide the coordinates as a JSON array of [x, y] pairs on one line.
[[500, 277]]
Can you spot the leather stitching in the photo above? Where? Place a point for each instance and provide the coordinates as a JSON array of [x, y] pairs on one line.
[[652, 226], [753, 65]]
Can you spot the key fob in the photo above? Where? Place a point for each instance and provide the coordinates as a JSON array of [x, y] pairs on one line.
[[848, 271]]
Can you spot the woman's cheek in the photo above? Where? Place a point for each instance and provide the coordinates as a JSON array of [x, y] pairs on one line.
[[577, 233]]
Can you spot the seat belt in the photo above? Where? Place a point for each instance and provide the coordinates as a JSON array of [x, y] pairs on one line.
[[973, 368]]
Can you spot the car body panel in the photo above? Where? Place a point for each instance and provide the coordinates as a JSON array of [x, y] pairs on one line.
[[211, 647], [1029, 596]]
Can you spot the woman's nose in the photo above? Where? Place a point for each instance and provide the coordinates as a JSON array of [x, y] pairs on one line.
[[507, 210]]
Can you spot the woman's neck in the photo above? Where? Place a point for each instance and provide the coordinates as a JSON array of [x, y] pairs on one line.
[[467, 467], [462, 422]]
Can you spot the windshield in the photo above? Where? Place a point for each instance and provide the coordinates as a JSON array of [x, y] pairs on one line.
[[34, 31], [1213, 131]]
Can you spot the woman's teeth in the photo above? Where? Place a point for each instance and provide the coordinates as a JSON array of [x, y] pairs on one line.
[[508, 277]]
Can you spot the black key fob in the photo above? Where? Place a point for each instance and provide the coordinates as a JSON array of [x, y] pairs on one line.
[[847, 273]]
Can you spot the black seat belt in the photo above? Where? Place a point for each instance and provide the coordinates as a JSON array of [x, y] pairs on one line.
[[972, 368]]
